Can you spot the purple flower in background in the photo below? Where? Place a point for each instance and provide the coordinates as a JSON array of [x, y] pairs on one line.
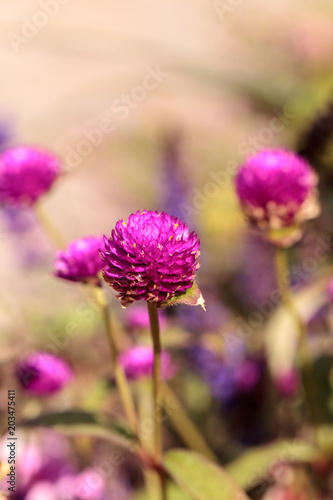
[[173, 185], [80, 261], [26, 173], [225, 377], [43, 374], [137, 318], [138, 363], [277, 190], [152, 257], [287, 383], [89, 485]]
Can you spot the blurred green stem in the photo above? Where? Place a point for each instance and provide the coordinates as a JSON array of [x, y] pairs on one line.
[[184, 425], [282, 269], [304, 351], [157, 393], [48, 226], [120, 377]]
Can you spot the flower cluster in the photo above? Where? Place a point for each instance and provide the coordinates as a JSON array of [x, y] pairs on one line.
[[138, 363], [277, 190], [80, 261], [152, 256], [42, 373], [26, 173]]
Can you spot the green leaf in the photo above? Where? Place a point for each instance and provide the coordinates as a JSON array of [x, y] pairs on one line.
[[201, 478], [173, 493], [192, 297], [76, 422], [256, 463]]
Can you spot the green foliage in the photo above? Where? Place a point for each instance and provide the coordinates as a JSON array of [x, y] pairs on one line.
[[200, 478]]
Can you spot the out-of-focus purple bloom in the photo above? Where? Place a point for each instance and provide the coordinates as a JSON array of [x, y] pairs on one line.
[[226, 378], [89, 485], [152, 257], [246, 375], [277, 189], [137, 318], [287, 383], [43, 374], [138, 363], [26, 173], [81, 261], [173, 186]]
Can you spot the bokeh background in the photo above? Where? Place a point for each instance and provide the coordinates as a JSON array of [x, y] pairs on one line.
[[234, 77]]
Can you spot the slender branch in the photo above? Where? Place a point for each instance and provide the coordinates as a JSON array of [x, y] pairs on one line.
[[304, 351], [184, 425], [120, 377], [48, 226], [157, 394]]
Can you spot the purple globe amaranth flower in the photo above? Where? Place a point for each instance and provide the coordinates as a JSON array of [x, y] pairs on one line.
[[26, 173], [42, 374], [152, 257], [138, 363], [81, 261], [278, 192]]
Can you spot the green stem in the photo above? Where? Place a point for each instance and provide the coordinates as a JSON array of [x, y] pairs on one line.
[[157, 394], [48, 226], [184, 425], [304, 351], [120, 377]]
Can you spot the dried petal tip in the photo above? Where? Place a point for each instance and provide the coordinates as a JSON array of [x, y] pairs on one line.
[[81, 261], [43, 374], [26, 173], [278, 193], [153, 257]]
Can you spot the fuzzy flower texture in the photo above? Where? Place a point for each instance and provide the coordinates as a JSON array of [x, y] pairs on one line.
[[81, 261], [152, 257], [277, 189], [26, 173]]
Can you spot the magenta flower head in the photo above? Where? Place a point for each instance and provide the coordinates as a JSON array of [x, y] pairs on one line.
[[278, 193], [81, 261], [26, 173], [138, 363], [43, 374], [153, 257]]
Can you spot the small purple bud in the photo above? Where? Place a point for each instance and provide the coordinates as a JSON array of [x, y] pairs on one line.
[[278, 191], [138, 363], [43, 374], [26, 173], [80, 261], [287, 383]]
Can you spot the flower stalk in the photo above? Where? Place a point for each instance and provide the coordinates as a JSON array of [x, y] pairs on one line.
[[157, 395], [121, 380]]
